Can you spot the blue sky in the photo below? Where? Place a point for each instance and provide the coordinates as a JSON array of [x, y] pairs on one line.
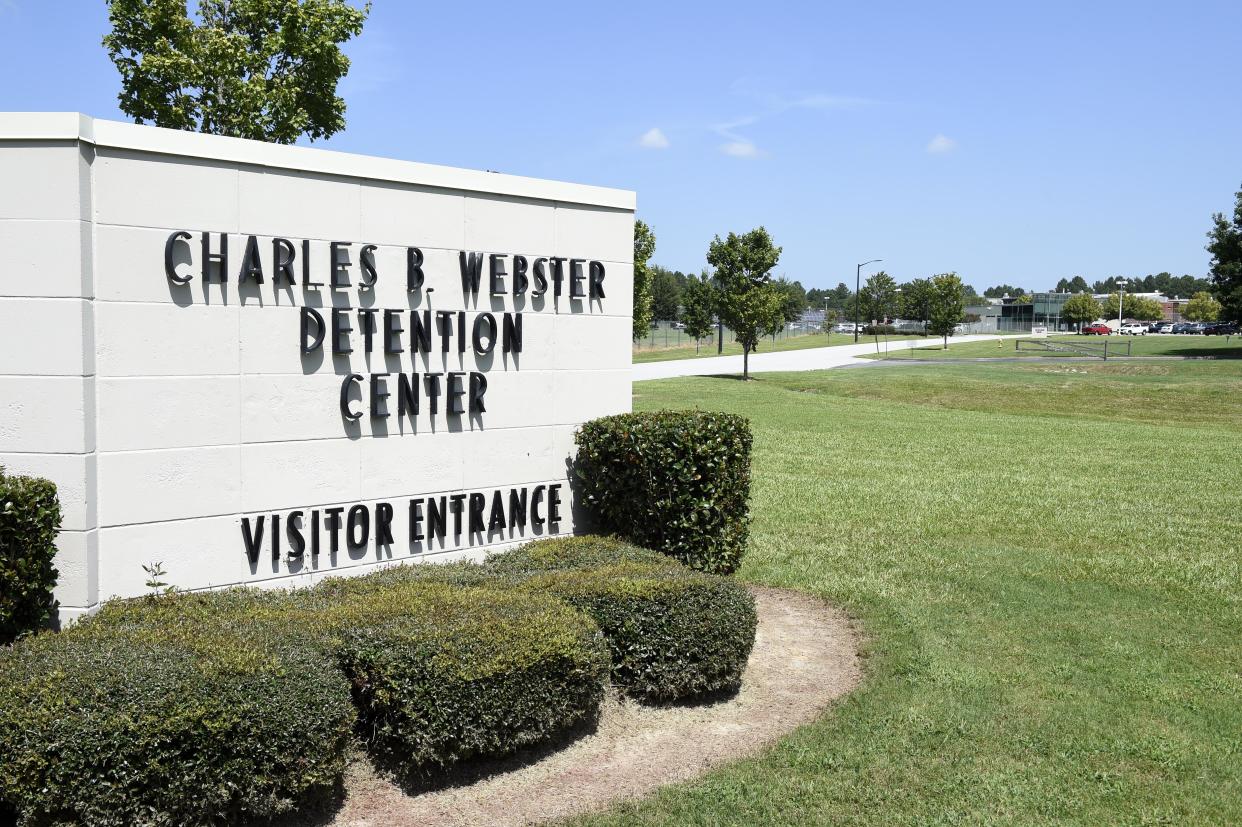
[[1013, 143]]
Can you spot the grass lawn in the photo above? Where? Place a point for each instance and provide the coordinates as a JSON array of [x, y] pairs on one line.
[[1216, 346], [811, 340], [1046, 560]]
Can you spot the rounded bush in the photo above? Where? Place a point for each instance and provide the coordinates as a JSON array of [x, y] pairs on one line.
[[440, 672], [673, 633], [158, 725], [29, 519], [673, 481], [460, 673]]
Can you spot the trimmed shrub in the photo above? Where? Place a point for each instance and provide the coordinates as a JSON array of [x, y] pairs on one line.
[[472, 673], [440, 672], [673, 633], [581, 552], [29, 520], [674, 481], [879, 330], [168, 725]]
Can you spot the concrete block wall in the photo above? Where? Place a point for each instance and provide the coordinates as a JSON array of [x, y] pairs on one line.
[[165, 413]]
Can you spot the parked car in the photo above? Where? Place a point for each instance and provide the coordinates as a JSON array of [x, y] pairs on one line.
[[1221, 329], [1133, 329], [843, 327], [1180, 327], [1164, 327], [1195, 328], [1096, 330]]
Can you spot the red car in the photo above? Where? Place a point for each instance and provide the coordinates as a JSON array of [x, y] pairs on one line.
[[1096, 330]]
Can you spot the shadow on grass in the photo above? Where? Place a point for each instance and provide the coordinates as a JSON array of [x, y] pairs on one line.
[[736, 377], [1225, 352]]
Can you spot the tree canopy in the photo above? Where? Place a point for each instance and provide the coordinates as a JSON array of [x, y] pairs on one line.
[[1075, 285], [261, 69], [644, 248], [878, 297], [793, 298], [946, 306], [699, 307], [1080, 309], [1225, 245], [1132, 307], [746, 299], [1202, 308], [665, 294], [916, 300], [1001, 290]]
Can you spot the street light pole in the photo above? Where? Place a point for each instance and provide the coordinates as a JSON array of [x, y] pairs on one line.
[[1121, 297], [857, 290]]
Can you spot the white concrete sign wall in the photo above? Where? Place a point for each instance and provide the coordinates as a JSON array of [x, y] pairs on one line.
[[257, 363]]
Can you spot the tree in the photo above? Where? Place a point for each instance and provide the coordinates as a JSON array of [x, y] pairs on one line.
[[1000, 290], [644, 247], [261, 69], [1225, 245], [665, 294], [793, 298], [830, 318], [947, 305], [1201, 308], [1081, 308], [699, 307], [747, 301], [916, 300], [879, 297], [1132, 307]]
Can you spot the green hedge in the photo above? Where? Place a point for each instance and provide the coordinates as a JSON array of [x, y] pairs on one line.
[[582, 552], [674, 481], [440, 672], [29, 520], [168, 725], [673, 633], [239, 705], [472, 673]]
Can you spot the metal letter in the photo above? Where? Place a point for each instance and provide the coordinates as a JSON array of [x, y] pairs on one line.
[[170, 269]]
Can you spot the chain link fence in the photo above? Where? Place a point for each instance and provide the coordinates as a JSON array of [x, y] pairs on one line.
[[667, 335]]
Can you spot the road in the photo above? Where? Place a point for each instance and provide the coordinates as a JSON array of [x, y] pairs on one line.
[[818, 358]]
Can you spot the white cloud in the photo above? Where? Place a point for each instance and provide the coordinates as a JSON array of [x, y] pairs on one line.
[[941, 144], [740, 149], [653, 139]]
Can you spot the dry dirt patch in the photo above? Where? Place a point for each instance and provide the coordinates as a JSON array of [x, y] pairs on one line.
[[805, 657]]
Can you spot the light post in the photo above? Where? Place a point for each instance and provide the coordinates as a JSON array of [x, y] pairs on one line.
[[1121, 300], [827, 329], [857, 289]]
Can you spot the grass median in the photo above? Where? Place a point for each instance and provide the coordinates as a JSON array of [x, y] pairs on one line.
[[1218, 347], [1045, 559], [687, 350]]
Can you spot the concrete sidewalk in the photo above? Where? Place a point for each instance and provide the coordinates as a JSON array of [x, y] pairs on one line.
[[818, 358]]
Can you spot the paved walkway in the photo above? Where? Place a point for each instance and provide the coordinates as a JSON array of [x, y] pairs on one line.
[[817, 358]]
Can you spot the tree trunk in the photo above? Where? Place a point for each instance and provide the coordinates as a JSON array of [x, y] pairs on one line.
[[946, 342], [745, 363]]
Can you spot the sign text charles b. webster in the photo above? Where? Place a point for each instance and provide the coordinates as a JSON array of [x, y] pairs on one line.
[[341, 330]]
